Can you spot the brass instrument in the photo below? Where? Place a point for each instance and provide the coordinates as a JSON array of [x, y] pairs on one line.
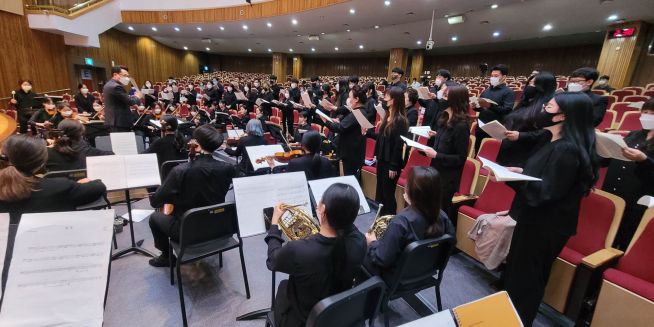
[[380, 224], [297, 224]]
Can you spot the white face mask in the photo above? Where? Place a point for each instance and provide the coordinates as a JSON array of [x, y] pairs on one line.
[[230, 89], [49, 107], [348, 102], [602, 82], [124, 80], [438, 82], [256, 84], [157, 111], [406, 198], [246, 89], [183, 99], [97, 107], [293, 85], [647, 121], [336, 87], [209, 86], [439, 94], [575, 87], [351, 85], [141, 108], [494, 81], [85, 91], [27, 88], [148, 85], [67, 113]]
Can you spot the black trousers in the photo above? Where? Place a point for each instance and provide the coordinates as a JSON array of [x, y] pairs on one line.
[[285, 315], [162, 227], [351, 167], [386, 189], [23, 121], [287, 120], [534, 248]]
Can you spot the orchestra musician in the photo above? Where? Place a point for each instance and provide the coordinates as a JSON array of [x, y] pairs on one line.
[[423, 218], [118, 116], [201, 182], [142, 125], [21, 191], [23, 99], [84, 100], [43, 115], [311, 163], [319, 265], [170, 146], [254, 131], [69, 150]]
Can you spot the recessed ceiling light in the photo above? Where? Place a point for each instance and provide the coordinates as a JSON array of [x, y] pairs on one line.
[[547, 27], [245, 27], [454, 38], [494, 6], [294, 22], [313, 49], [299, 35], [336, 48], [360, 46], [269, 50], [249, 50], [419, 42], [496, 34], [222, 28], [348, 30], [208, 49], [154, 28], [387, 3], [199, 28], [376, 26], [176, 29], [185, 48], [269, 24], [130, 28], [323, 33], [290, 50], [612, 17], [352, 11]]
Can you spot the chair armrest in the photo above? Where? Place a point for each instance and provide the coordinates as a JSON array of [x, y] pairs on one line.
[[464, 199], [601, 258]]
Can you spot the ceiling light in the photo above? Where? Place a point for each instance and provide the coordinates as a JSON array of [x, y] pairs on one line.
[[269, 24], [612, 17], [376, 26], [208, 49], [269, 50], [419, 42], [222, 28], [323, 33], [294, 22], [455, 20], [313, 49], [348, 30], [245, 27], [352, 11], [360, 46], [185, 48], [494, 6], [547, 27], [199, 29], [154, 28], [249, 50], [299, 35], [290, 50], [454, 38], [387, 3], [496, 34], [130, 28], [176, 29], [336, 48]]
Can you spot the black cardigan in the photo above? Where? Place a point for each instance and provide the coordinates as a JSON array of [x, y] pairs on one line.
[[388, 149]]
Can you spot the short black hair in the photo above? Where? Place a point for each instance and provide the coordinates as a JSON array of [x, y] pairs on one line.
[[444, 73], [117, 69], [606, 77], [353, 79], [208, 137], [413, 95], [398, 70], [586, 72], [80, 86], [273, 77], [502, 68], [315, 78], [303, 114]]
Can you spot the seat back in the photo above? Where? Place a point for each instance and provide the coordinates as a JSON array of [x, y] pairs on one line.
[[599, 92], [208, 223], [635, 98], [620, 108], [315, 127], [489, 149], [630, 121], [75, 175], [349, 308], [168, 166], [623, 93], [637, 89], [600, 214], [607, 121], [469, 176], [639, 259], [421, 260], [649, 93], [416, 158], [496, 196]]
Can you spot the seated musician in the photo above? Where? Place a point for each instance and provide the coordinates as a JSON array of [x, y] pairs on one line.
[[40, 117], [311, 163], [254, 137], [142, 126], [319, 265], [21, 191], [303, 125], [70, 150], [423, 218], [201, 182], [63, 112], [171, 144]]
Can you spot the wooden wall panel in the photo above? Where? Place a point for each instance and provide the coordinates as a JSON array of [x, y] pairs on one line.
[[343, 66], [619, 56], [246, 64], [560, 61], [399, 57], [644, 72], [297, 66], [30, 54], [279, 66], [214, 15], [417, 64]]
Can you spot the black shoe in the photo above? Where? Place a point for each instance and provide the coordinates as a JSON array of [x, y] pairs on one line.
[[161, 261]]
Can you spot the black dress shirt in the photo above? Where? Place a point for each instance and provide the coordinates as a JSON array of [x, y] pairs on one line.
[[504, 97], [84, 103], [451, 145], [58, 161], [350, 142], [628, 179], [249, 140]]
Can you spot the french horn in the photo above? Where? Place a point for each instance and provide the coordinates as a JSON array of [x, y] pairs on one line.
[[297, 224], [380, 224]]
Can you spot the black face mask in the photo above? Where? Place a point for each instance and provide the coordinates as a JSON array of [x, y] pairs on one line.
[[544, 119], [443, 104], [530, 91], [384, 104]]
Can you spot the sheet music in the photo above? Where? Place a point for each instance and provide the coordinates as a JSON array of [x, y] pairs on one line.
[[327, 105], [414, 144], [138, 214], [166, 96], [109, 169], [147, 91], [296, 104], [155, 123], [474, 99], [142, 170], [322, 114], [380, 111], [240, 96], [423, 93], [124, 172], [59, 268], [637, 105], [502, 174], [610, 146], [261, 151], [261, 101], [235, 133], [306, 100], [253, 194], [361, 119], [4, 236], [420, 130], [319, 186], [123, 143], [495, 129], [440, 319]]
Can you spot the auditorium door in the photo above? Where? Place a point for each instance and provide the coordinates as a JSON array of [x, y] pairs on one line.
[[91, 76]]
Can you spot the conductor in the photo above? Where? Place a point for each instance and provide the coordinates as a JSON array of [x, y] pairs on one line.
[[118, 116]]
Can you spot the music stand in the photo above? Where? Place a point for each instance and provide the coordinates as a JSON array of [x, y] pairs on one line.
[[136, 246]]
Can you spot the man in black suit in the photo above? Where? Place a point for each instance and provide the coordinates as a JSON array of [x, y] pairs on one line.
[[117, 113], [582, 80], [501, 94]]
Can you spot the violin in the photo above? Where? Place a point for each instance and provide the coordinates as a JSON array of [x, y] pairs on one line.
[[193, 149], [283, 157]]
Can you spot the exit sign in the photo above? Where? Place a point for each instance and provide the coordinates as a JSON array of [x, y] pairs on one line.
[[88, 61]]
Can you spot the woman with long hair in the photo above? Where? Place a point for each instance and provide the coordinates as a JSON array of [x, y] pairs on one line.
[[70, 150], [170, 146], [22, 191], [389, 149], [319, 265], [547, 211], [449, 143], [422, 219]]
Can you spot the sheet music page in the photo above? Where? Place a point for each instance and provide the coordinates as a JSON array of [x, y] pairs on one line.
[[255, 193], [361, 119], [423, 93], [261, 151], [319, 186], [420, 130], [240, 96], [58, 273], [322, 114], [502, 174], [155, 123], [610, 146], [109, 169], [380, 111], [142, 170], [306, 100], [123, 143], [495, 129], [645, 200], [234, 133], [326, 104], [414, 144], [4, 236], [166, 96]]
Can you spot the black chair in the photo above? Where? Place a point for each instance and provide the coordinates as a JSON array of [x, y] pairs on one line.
[[168, 166], [204, 232], [103, 143], [418, 264], [349, 308]]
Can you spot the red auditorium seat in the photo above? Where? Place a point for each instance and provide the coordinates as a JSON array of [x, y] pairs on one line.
[[325, 131], [315, 127], [611, 99], [468, 181], [638, 89], [561, 84], [623, 93], [276, 112], [630, 122], [66, 97], [608, 121], [649, 93], [252, 115], [296, 117], [599, 218], [635, 98], [489, 149], [276, 120], [620, 109], [416, 158], [495, 197], [602, 176], [599, 92], [649, 86], [626, 297]]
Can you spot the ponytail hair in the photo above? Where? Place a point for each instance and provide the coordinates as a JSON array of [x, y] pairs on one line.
[[341, 208], [71, 134], [311, 141], [22, 157]]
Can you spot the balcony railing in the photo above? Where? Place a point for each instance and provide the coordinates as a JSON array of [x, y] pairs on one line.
[[61, 7]]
